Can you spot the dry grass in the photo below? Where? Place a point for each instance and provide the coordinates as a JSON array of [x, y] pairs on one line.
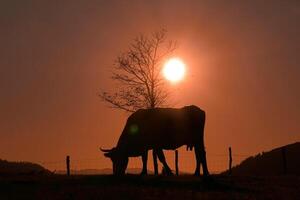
[[148, 187]]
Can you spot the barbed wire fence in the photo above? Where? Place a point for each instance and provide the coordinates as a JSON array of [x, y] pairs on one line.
[[217, 163]]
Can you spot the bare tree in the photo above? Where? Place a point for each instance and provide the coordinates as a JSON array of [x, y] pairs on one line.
[[138, 74]]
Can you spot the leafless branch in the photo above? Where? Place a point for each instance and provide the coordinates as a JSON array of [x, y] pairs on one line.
[[138, 73]]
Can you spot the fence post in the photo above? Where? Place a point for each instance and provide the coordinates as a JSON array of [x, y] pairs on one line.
[[68, 165], [283, 151], [176, 162], [230, 160], [155, 162]]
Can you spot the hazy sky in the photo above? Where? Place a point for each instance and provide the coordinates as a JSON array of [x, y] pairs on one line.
[[242, 62]]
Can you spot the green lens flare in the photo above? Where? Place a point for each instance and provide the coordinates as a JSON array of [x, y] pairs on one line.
[[134, 129]]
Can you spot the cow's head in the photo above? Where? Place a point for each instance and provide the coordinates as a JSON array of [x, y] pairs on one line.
[[118, 159]]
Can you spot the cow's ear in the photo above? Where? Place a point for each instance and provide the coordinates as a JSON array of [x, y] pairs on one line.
[[108, 155]]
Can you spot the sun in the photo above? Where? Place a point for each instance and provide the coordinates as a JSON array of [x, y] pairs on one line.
[[174, 70]]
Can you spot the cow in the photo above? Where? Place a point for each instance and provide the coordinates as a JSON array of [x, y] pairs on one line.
[[158, 129]]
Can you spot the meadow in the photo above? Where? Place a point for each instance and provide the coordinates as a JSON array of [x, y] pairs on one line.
[[148, 187]]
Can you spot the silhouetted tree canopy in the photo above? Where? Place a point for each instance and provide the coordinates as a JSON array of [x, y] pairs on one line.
[[138, 74]]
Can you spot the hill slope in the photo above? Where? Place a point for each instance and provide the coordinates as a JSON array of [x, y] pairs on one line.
[[271, 163], [9, 168]]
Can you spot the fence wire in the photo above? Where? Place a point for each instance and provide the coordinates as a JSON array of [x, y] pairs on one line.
[[216, 162]]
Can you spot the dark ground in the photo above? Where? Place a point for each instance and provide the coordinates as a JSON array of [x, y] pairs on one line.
[[148, 187]]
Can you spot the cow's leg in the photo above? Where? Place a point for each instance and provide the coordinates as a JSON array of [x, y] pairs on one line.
[[203, 161], [162, 159], [154, 154], [198, 160], [144, 159]]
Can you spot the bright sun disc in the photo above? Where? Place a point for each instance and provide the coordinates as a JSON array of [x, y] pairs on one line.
[[174, 70]]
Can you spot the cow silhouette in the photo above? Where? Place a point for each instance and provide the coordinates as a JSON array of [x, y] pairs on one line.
[[158, 129]]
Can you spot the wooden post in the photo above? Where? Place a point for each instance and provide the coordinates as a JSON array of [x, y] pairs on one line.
[[155, 162], [176, 162], [283, 151], [68, 165], [230, 160]]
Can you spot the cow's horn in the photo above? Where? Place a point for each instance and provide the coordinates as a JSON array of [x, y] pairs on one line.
[[105, 150]]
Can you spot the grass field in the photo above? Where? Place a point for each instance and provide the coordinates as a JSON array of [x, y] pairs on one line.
[[148, 187]]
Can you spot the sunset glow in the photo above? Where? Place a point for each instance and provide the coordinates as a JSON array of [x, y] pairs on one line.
[[174, 70], [70, 69]]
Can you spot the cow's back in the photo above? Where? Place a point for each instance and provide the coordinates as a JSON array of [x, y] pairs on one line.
[[166, 128]]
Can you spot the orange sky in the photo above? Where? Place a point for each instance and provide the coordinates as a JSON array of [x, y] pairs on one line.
[[242, 68]]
